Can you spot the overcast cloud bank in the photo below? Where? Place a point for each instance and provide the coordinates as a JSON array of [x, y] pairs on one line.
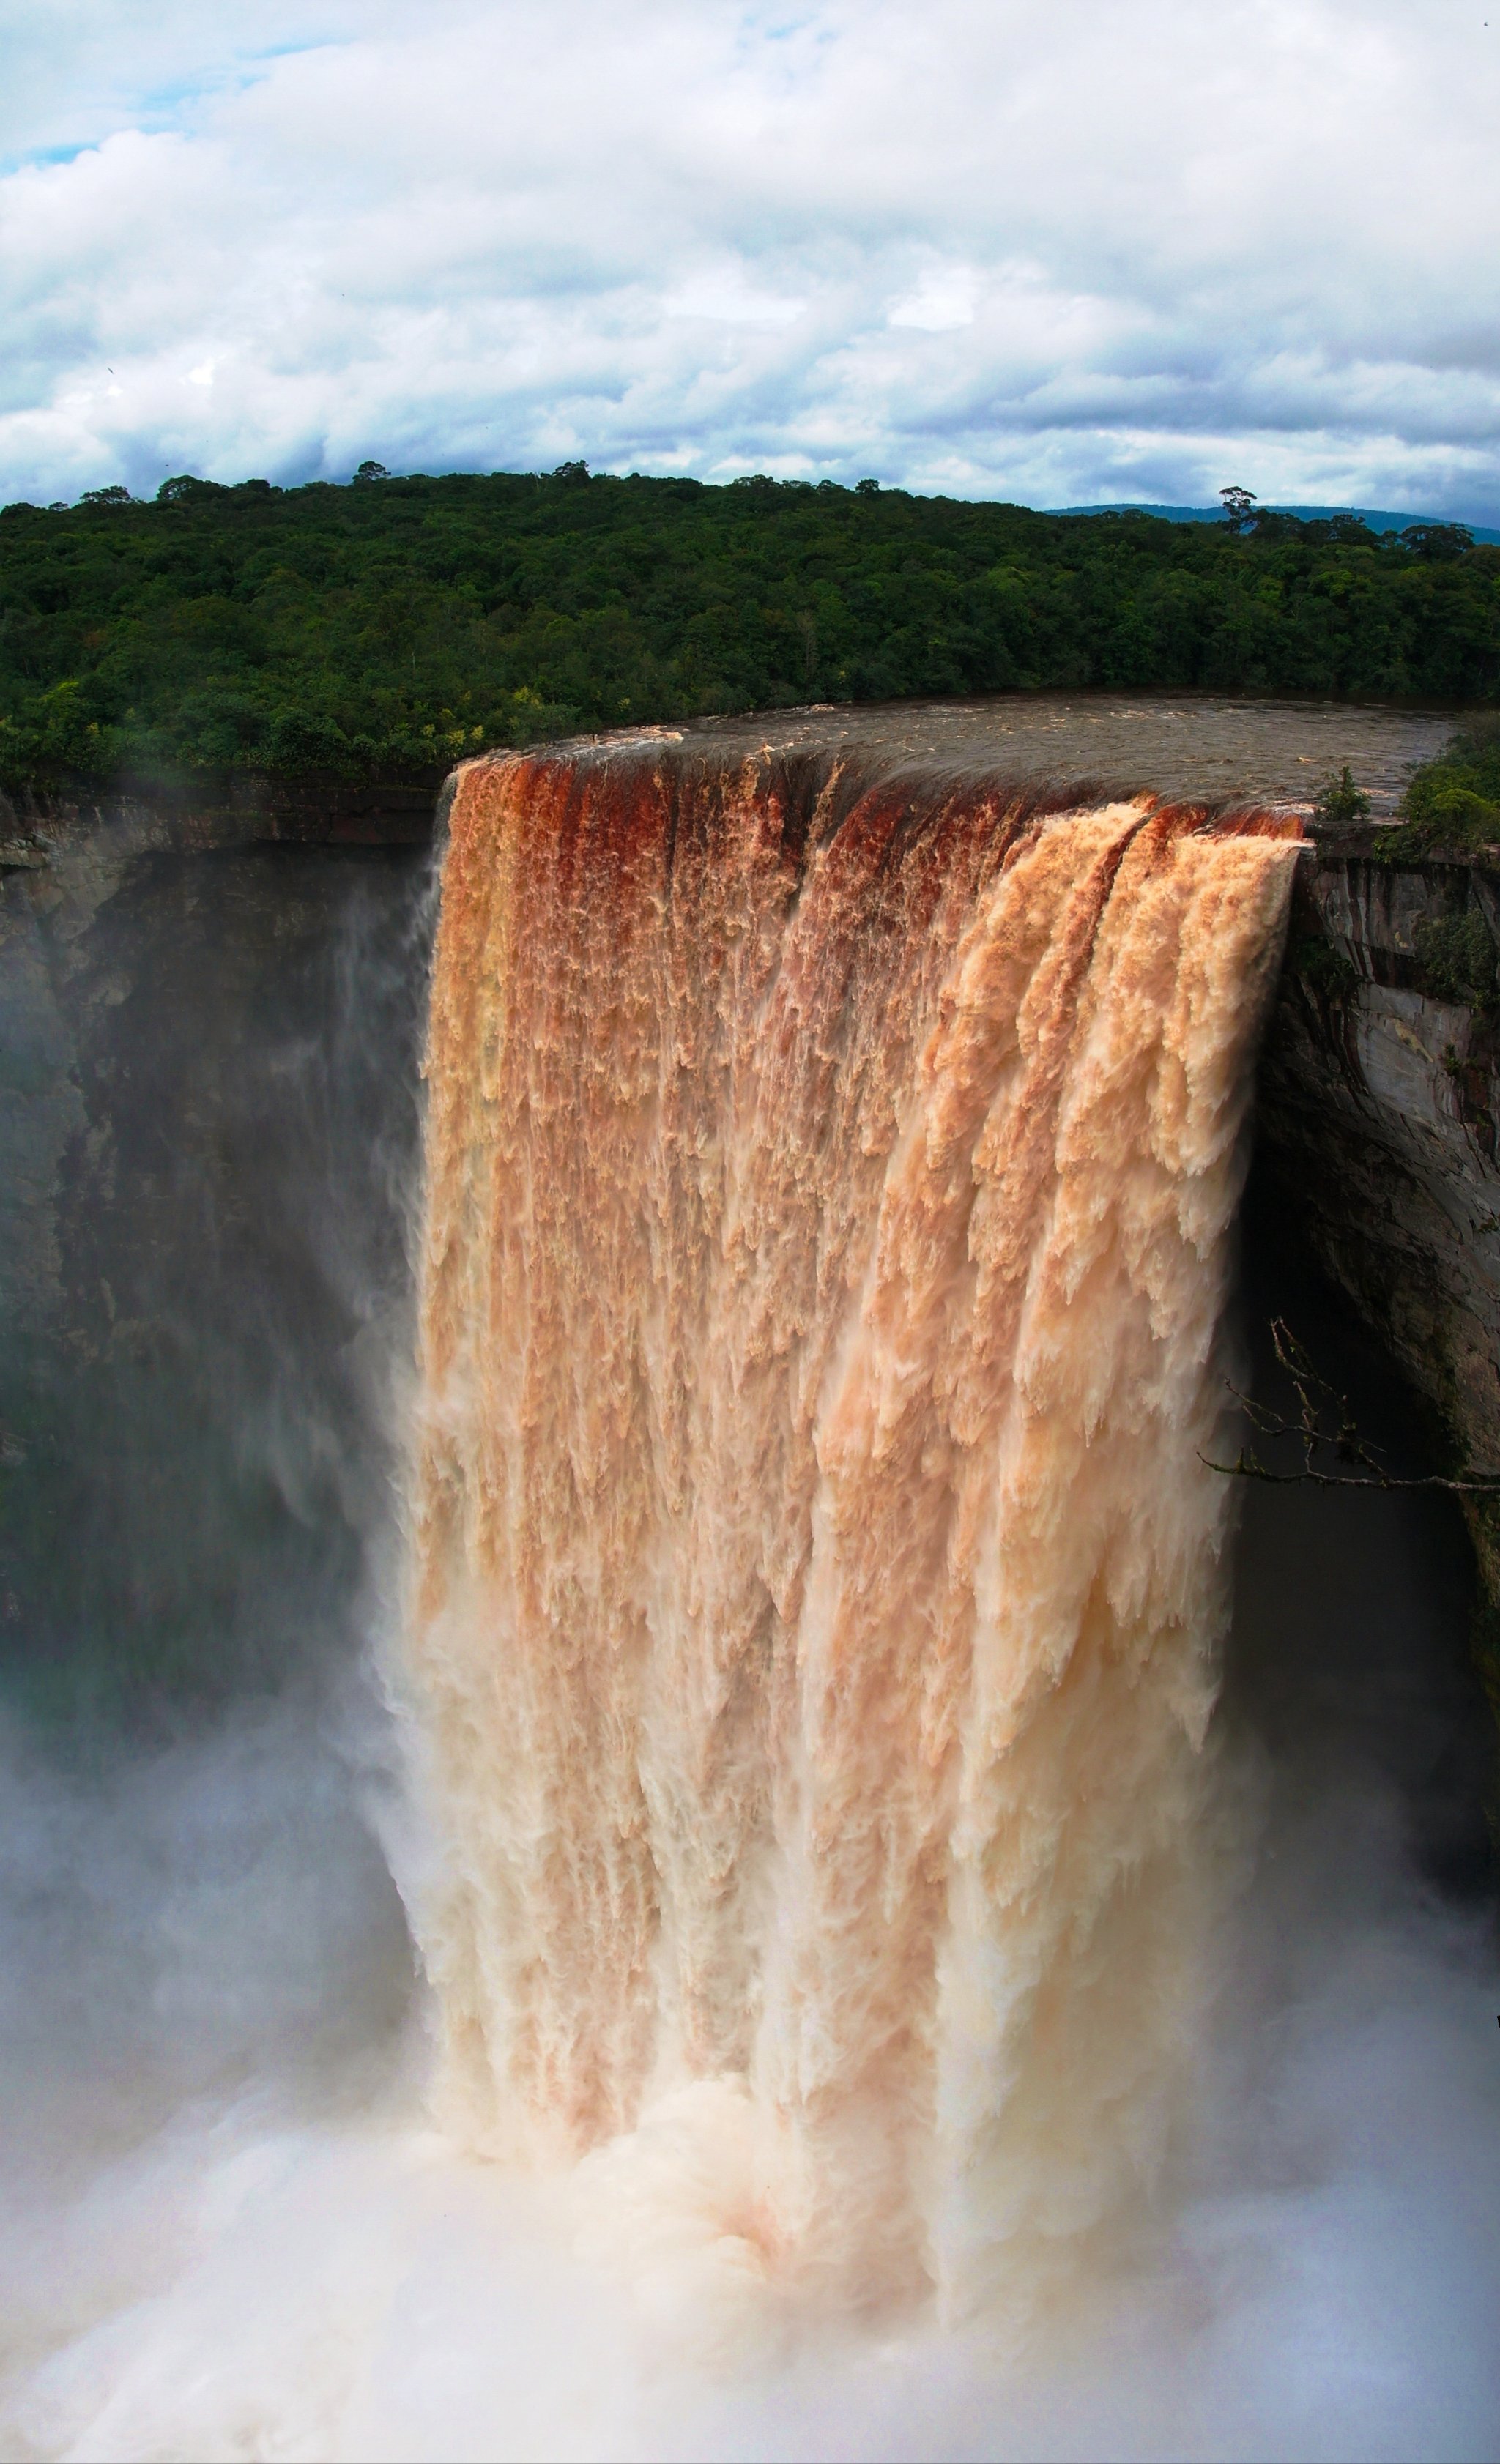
[[1050, 249]]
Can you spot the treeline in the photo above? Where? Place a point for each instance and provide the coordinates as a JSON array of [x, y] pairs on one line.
[[383, 629]]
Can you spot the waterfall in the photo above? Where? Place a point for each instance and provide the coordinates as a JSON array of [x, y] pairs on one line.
[[816, 1585]]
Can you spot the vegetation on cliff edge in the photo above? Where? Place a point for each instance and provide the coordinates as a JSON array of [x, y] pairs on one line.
[[1453, 803]]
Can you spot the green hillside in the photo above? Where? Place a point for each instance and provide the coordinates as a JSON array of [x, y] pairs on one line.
[[380, 630]]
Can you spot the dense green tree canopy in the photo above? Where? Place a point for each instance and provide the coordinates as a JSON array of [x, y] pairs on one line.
[[1452, 805], [384, 627]]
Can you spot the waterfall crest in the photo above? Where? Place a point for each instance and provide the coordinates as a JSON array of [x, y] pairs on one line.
[[816, 1587]]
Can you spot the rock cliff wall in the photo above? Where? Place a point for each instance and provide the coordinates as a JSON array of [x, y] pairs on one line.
[[208, 1124], [1379, 1101], [193, 814]]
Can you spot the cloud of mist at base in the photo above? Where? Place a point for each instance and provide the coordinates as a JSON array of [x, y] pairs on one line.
[[230, 2231], [1057, 252]]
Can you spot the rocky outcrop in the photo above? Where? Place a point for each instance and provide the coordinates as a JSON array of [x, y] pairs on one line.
[[1378, 1112]]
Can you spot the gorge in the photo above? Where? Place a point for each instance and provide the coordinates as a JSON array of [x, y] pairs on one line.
[[804, 1625]]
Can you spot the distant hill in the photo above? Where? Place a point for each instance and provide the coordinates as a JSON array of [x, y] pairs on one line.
[[1374, 521]]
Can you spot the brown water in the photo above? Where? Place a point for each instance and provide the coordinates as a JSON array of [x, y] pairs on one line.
[[1190, 745], [817, 1585]]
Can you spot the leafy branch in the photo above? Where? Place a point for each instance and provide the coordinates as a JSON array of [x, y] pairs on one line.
[[1326, 1435]]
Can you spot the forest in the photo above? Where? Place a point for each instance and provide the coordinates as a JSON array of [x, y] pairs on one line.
[[383, 628]]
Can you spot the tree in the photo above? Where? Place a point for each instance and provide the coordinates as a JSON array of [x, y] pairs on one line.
[[1340, 803], [185, 488], [368, 470], [1437, 543], [1239, 508]]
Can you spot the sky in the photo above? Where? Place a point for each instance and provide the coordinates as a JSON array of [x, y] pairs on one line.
[[1058, 251]]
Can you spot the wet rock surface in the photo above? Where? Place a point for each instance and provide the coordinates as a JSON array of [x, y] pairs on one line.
[[1379, 1106], [1380, 1099]]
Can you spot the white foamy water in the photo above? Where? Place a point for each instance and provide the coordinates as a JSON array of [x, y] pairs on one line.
[[230, 2230]]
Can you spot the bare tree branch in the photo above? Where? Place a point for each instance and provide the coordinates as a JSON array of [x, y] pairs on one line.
[[1318, 1402]]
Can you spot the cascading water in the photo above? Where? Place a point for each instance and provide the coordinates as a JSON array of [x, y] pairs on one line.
[[816, 1583], [791, 1234]]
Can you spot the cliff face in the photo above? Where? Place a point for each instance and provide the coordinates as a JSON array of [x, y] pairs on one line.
[[193, 814], [208, 1114], [1377, 1120]]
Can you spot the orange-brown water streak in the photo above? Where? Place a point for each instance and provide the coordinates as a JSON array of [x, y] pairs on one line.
[[816, 1587]]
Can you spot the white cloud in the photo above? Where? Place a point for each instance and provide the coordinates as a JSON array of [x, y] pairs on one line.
[[943, 299], [1051, 249]]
